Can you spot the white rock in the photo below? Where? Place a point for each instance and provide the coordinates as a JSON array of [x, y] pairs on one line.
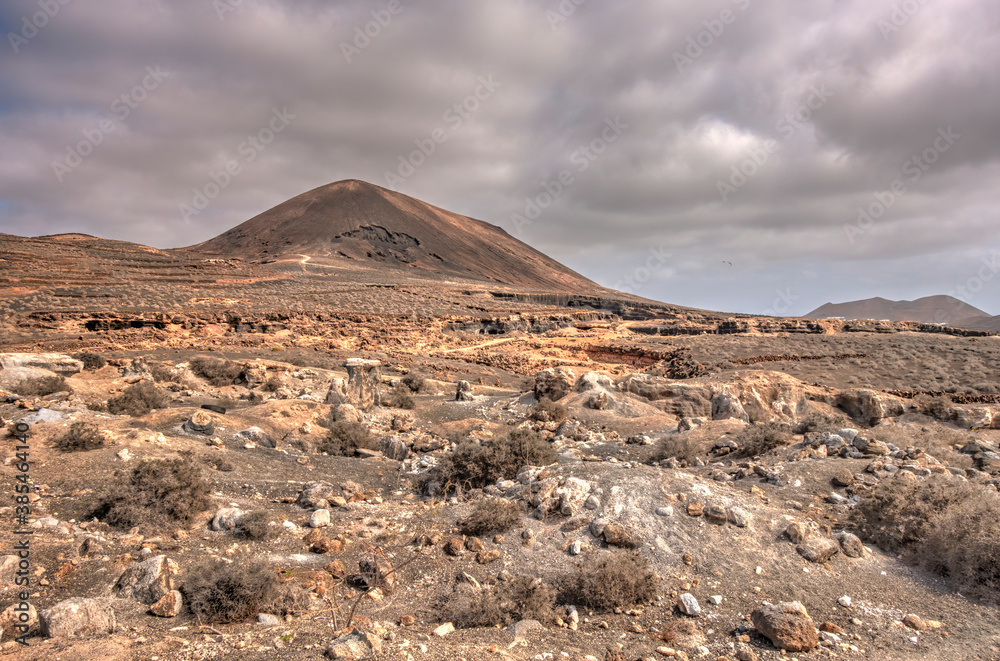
[[444, 630], [845, 601], [319, 519], [715, 599], [689, 605]]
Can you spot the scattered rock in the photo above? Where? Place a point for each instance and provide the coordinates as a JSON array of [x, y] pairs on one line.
[[554, 383], [787, 625], [843, 478], [395, 448], [319, 519], [355, 646], [444, 630], [739, 517], [726, 406], [454, 547], [14, 623], [716, 514], [488, 557], [695, 509], [317, 495], [258, 437], [147, 582], [851, 545], [345, 413], [688, 604], [227, 518], [78, 618], [818, 549], [268, 620], [800, 531], [615, 534], [918, 623]]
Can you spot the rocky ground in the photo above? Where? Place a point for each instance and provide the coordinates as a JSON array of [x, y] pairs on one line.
[[747, 495]]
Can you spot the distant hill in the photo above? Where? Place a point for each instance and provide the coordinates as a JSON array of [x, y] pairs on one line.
[[353, 223], [930, 310]]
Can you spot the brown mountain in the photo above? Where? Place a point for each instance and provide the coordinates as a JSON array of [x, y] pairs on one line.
[[930, 309], [352, 222]]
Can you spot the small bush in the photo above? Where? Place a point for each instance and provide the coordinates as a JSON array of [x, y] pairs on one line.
[[491, 516], [216, 371], [616, 581], [475, 465], [760, 438], [256, 526], [683, 446], [40, 386], [518, 598], [400, 398], [346, 437], [220, 592], [163, 373], [414, 382], [91, 361], [156, 493], [545, 410], [938, 407], [951, 528], [137, 400], [819, 422], [273, 384], [81, 436]]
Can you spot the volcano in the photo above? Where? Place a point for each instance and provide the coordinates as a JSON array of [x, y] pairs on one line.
[[354, 222]]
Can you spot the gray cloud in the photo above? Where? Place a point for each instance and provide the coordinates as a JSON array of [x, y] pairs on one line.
[[833, 98]]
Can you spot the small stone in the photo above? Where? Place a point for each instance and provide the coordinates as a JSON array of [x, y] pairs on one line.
[[474, 545], [845, 601], [621, 536], [818, 549], [454, 547], [688, 604], [800, 531], [664, 511], [851, 545], [843, 478], [336, 568], [830, 627], [407, 621], [444, 630], [268, 620], [319, 519], [715, 600], [576, 548], [716, 514], [787, 625], [916, 623], [739, 517], [487, 557], [695, 509]]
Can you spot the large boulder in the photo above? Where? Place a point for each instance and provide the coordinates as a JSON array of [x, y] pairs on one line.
[[787, 625], [726, 406], [868, 406], [393, 447], [147, 582], [362, 387], [554, 383], [55, 363], [79, 618]]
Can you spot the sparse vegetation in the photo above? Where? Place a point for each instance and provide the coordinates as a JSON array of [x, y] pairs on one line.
[[415, 382], [220, 592], [545, 410], [256, 526], [816, 421], [156, 493], [138, 400], [41, 386], [492, 515], [474, 464], [948, 527], [163, 373], [685, 447], [400, 398], [346, 437], [517, 598], [80, 437], [617, 580], [760, 438], [216, 371], [91, 361]]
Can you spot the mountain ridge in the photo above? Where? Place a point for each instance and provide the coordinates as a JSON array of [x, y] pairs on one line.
[[937, 309]]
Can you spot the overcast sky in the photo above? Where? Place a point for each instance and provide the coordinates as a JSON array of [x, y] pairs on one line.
[[712, 153]]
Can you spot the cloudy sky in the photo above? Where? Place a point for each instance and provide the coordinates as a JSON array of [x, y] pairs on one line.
[[740, 155]]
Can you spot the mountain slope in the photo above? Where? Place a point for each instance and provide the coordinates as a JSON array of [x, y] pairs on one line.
[[930, 309], [354, 221]]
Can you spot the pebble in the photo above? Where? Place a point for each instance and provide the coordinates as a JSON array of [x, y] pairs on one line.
[[688, 604], [845, 601]]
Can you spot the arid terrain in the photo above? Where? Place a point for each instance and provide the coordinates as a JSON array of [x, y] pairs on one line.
[[369, 433]]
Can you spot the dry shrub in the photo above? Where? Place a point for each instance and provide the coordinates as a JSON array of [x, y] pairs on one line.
[[946, 526], [545, 410], [256, 526], [475, 465], [162, 373], [491, 516], [618, 580], [684, 447], [137, 400], [40, 386], [415, 382], [81, 436], [399, 398], [216, 371], [156, 493], [273, 384], [221, 592], [937, 407], [816, 421], [517, 598], [760, 438], [91, 361], [346, 437]]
